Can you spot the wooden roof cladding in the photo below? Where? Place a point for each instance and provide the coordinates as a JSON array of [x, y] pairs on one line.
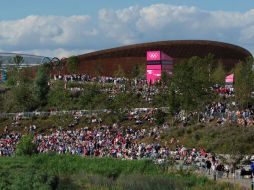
[[176, 49]]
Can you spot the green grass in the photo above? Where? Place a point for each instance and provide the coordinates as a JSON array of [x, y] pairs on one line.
[[218, 139], [74, 172]]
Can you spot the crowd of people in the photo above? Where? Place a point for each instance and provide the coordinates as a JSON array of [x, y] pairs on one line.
[[8, 142], [110, 141], [88, 78], [120, 142], [228, 113], [119, 84], [126, 142]]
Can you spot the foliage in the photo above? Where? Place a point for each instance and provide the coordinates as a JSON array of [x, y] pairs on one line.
[[72, 64], [41, 87], [122, 101], [75, 172], [224, 140], [26, 147], [91, 98], [11, 76], [57, 65], [244, 82], [20, 98], [18, 60], [164, 78], [58, 97], [173, 100], [219, 74], [28, 178], [135, 72], [191, 79], [120, 72], [160, 117], [98, 69], [161, 99]]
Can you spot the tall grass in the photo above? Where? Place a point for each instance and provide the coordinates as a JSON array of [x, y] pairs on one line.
[[50, 171]]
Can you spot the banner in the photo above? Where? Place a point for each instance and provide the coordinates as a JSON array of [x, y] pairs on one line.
[[229, 78], [153, 55]]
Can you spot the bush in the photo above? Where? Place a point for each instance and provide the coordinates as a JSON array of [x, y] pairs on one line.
[[26, 146], [160, 117], [50, 172]]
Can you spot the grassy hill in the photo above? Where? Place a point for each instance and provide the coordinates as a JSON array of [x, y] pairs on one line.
[[228, 139]]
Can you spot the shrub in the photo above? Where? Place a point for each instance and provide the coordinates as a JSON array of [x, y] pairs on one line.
[[26, 146], [160, 117]]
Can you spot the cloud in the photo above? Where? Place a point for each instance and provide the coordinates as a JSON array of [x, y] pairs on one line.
[[63, 36]]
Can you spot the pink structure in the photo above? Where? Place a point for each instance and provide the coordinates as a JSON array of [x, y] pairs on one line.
[[229, 78], [153, 56], [157, 63]]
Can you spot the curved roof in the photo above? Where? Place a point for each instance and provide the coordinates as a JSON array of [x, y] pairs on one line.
[[28, 60], [176, 49], [107, 61]]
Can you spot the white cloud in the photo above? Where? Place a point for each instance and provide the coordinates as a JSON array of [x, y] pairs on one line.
[[64, 36]]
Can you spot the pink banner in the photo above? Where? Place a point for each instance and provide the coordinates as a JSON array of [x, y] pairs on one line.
[[153, 67], [230, 78], [153, 55]]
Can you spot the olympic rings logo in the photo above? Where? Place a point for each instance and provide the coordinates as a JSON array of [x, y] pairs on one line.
[[153, 55]]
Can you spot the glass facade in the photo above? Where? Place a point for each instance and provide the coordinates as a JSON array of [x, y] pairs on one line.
[[7, 59]]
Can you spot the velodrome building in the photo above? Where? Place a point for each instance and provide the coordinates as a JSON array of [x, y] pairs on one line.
[[109, 60], [127, 56]]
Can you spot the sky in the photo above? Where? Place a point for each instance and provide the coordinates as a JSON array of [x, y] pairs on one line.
[[61, 28]]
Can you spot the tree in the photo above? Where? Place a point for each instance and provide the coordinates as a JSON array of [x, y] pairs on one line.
[[14, 71], [191, 80], [12, 74], [88, 97], [2, 99], [164, 78], [58, 97], [135, 71], [142, 70], [120, 72], [41, 87], [98, 69], [56, 65], [72, 64], [18, 60], [160, 117], [121, 103], [26, 147], [244, 82], [218, 75], [22, 98], [47, 64], [173, 101]]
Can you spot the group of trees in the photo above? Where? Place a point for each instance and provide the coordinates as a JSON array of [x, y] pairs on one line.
[[25, 92], [136, 71], [188, 89], [244, 83]]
